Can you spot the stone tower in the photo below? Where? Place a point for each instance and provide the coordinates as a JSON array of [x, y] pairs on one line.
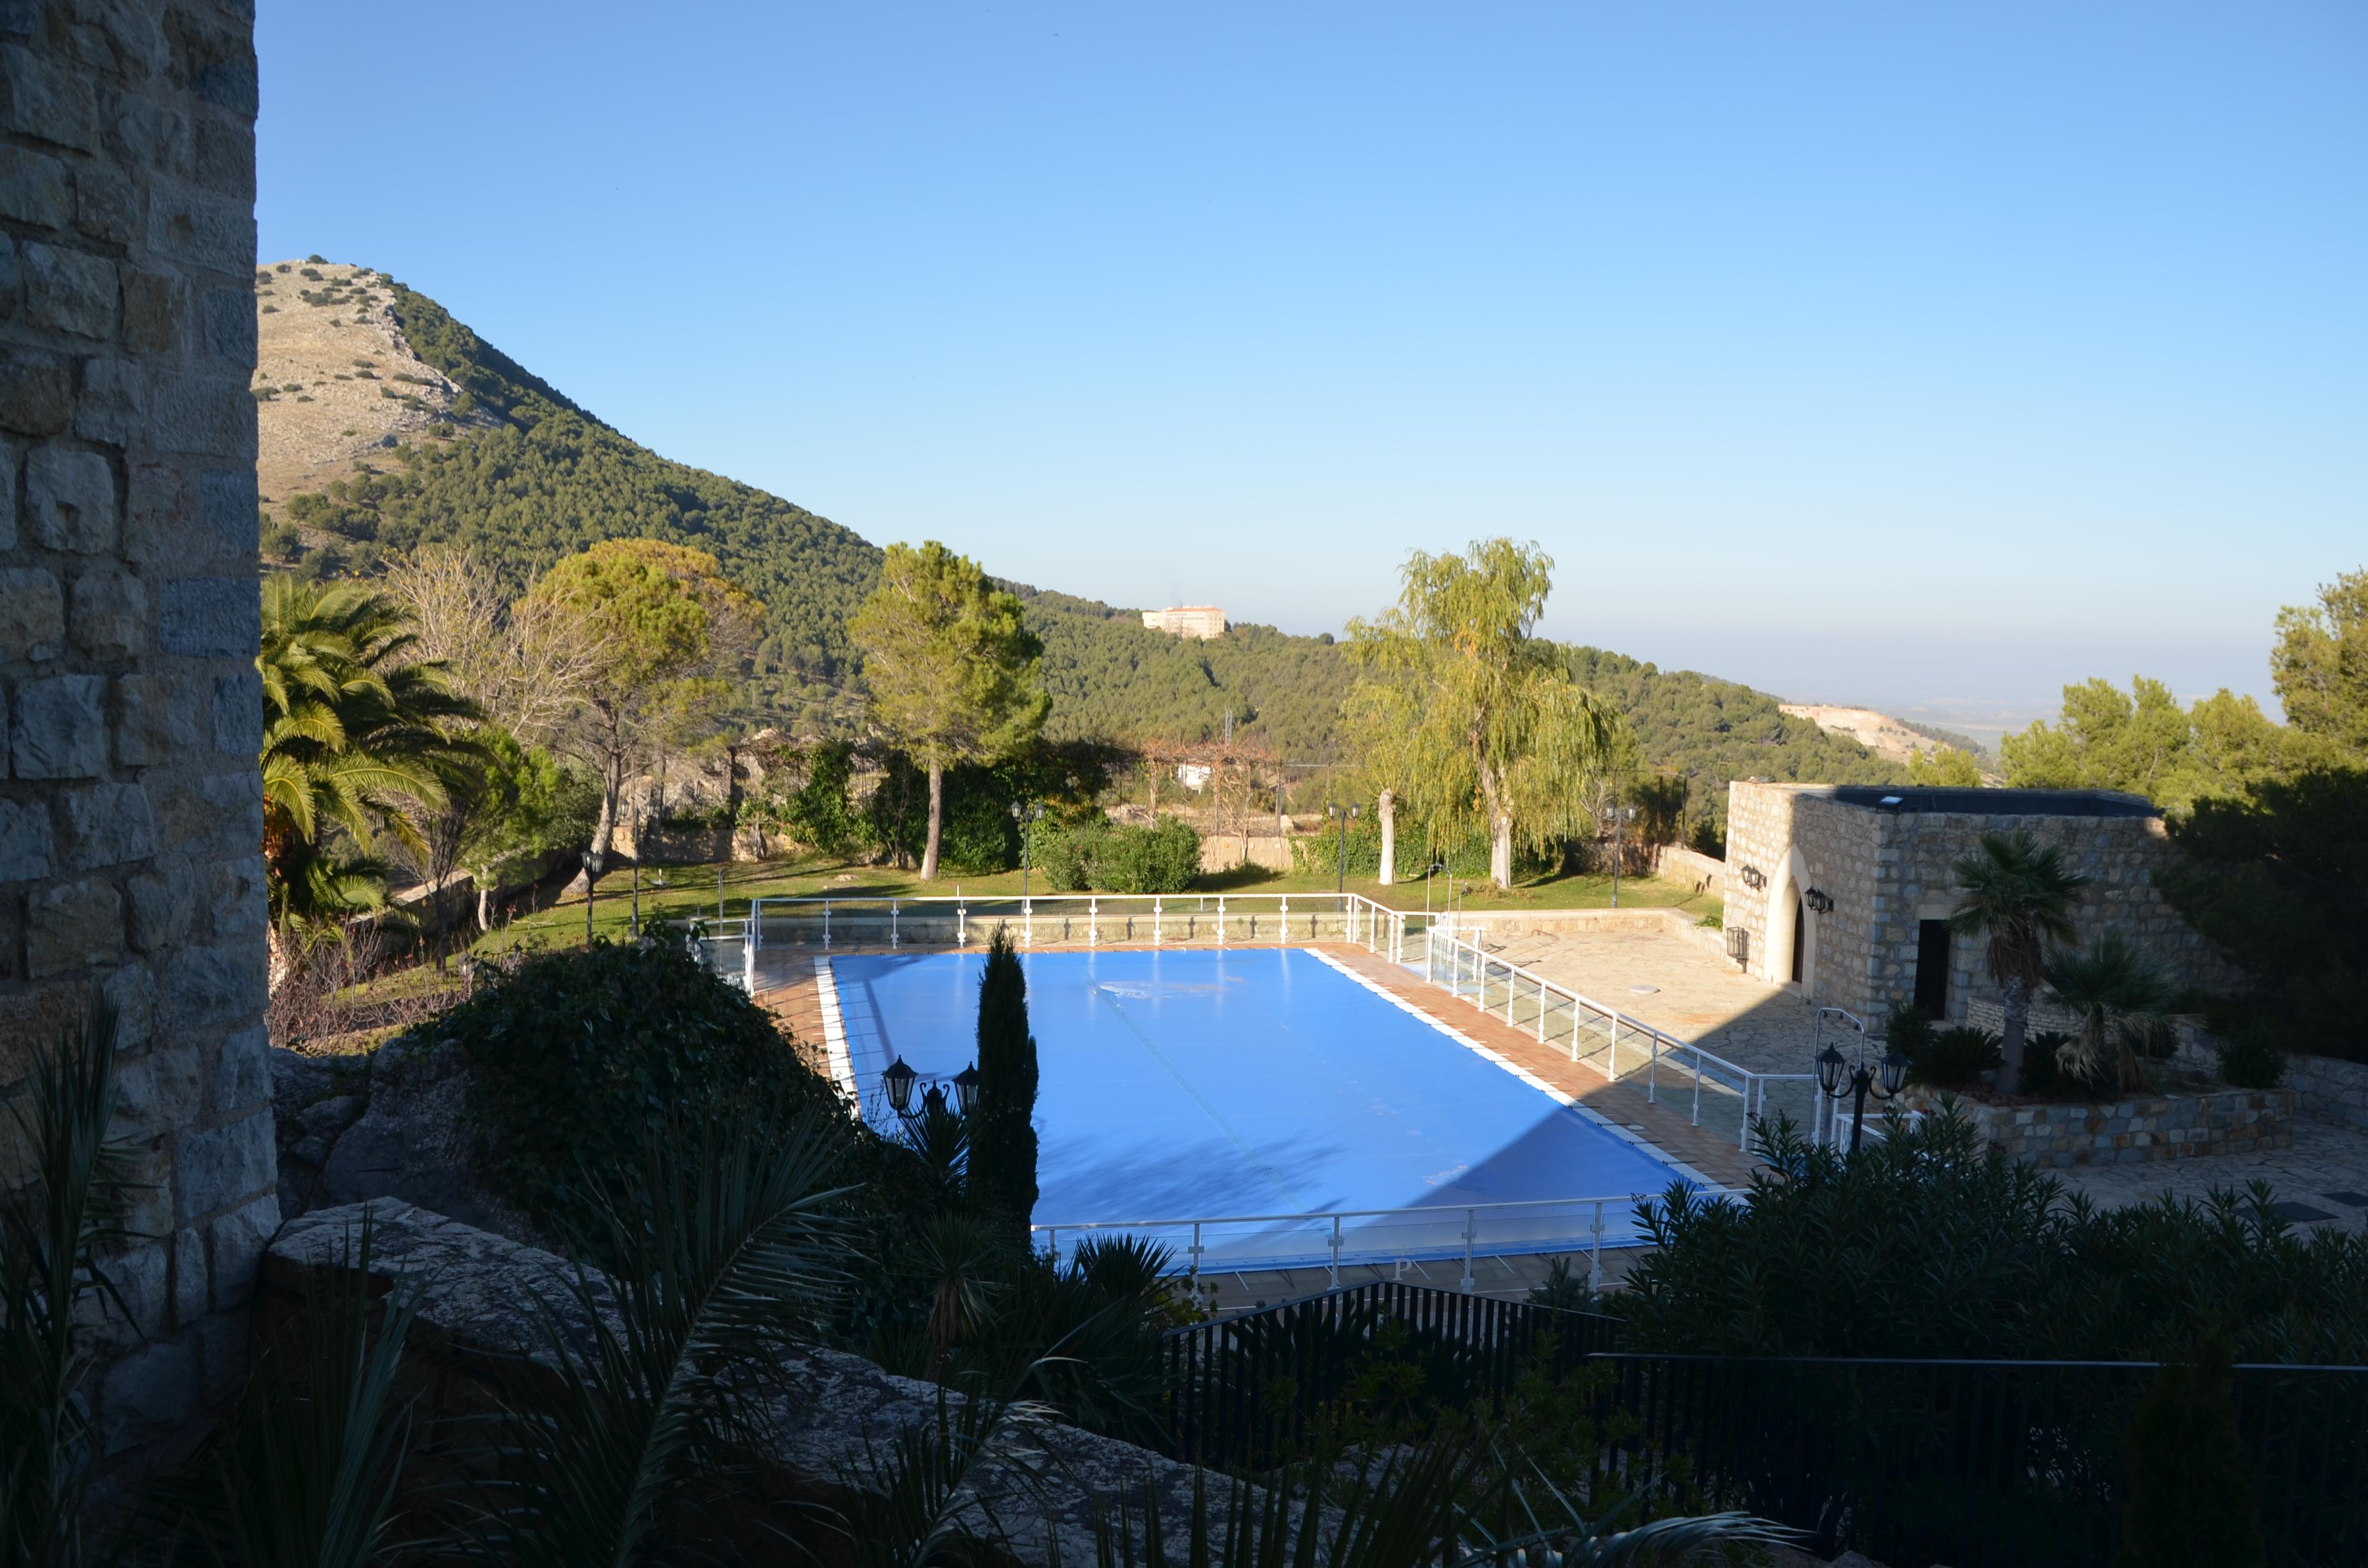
[[131, 812]]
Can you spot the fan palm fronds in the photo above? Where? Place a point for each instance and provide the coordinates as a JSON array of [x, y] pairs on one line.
[[2116, 992], [649, 1383]]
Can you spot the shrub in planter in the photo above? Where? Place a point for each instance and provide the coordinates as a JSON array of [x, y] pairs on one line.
[[2250, 1062], [2047, 1076], [1954, 1056]]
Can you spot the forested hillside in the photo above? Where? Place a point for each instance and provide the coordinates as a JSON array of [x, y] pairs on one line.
[[524, 475], [1713, 731], [1109, 676], [549, 479]]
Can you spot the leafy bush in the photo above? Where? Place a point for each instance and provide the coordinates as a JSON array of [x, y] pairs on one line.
[[1951, 1057], [2249, 1062], [581, 1055], [1931, 1243], [1101, 855]]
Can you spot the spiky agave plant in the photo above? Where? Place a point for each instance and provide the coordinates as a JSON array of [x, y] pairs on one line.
[[647, 1387], [50, 1231]]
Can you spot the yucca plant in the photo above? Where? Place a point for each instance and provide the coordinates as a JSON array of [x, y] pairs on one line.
[[648, 1388], [52, 1287]]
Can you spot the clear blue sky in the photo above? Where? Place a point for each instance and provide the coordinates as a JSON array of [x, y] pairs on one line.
[[1914, 354]]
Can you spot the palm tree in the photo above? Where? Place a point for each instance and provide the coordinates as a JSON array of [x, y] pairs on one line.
[[2018, 894], [360, 734], [2115, 989]]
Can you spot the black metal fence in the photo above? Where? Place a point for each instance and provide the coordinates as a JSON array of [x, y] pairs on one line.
[[1971, 1463], [1241, 1391], [1976, 1463]]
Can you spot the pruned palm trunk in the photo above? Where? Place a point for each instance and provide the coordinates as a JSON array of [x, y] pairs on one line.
[[937, 821], [2015, 1004], [281, 946], [1389, 813]]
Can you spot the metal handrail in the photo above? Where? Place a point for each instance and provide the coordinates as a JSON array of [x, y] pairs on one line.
[[1337, 1241], [1752, 1086]]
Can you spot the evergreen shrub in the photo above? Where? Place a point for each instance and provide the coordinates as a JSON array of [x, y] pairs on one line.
[[1101, 855], [1953, 1057], [580, 1054]]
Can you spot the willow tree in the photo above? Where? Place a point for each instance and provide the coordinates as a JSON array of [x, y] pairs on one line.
[[952, 668], [1477, 716]]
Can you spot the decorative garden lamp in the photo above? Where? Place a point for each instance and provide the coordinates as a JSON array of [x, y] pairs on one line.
[[898, 1082], [1838, 1080], [966, 1089]]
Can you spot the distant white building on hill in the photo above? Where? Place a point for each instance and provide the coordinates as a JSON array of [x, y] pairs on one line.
[[1203, 621]]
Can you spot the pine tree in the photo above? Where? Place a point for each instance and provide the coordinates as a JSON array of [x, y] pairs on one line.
[[1003, 1130], [2191, 1491]]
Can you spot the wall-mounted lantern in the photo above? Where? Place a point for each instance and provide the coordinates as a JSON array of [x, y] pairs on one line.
[[1753, 877], [1819, 901]]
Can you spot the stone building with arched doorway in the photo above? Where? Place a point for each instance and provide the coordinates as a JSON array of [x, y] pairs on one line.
[[1842, 892]]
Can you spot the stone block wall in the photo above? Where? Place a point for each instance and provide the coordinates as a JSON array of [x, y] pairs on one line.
[[2154, 1127], [1888, 872], [130, 808], [2330, 1088]]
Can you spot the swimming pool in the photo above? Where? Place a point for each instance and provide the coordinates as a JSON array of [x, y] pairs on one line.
[[1270, 1082]]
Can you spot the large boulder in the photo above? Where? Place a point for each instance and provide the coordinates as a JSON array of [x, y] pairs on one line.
[[393, 1122]]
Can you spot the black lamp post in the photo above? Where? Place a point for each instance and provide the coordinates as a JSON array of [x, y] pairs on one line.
[[1344, 815], [1027, 817], [898, 1081], [1841, 1081]]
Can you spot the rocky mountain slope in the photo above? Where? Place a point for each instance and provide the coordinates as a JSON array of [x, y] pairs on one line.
[[336, 377]]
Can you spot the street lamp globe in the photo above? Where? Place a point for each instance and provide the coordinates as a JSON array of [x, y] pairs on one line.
[[898, 1081], [1829, 1069], [966, 1089]]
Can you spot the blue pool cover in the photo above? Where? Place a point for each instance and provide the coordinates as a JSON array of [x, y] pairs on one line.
[[1190, 1084]]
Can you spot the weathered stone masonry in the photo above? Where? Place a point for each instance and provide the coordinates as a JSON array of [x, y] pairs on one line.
[[130, 809], [1888, 870]]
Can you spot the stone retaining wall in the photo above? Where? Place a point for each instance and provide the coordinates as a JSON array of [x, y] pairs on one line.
[[2163, 1127], [1691, 867], [2330, 1087]]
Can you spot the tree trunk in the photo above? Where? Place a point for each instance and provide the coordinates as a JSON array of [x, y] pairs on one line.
[[937, 821], [484, 905], [613, 784], [1388, 806], [2015, 1002], [1500, 848]]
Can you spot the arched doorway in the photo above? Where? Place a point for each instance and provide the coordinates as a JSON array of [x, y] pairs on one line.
[[1800, 938]]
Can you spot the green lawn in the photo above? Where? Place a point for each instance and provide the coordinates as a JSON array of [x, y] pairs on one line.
[[689, 893]]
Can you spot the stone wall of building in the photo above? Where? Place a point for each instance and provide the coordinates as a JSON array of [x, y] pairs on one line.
[[131, 812], [1887, 873]]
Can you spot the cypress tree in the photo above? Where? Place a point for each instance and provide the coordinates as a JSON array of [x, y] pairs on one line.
[[2191, 1491], [1003, 1131]]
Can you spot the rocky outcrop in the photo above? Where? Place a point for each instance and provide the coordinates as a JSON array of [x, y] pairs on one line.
[[833, 1414], [393, 1122]]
